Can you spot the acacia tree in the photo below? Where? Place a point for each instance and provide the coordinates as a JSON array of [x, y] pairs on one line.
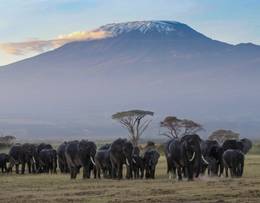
[[221, 135], [175, 127], [134, 121]]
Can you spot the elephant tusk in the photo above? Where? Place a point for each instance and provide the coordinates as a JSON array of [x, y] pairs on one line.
[[93, 162], [33, 160], [127, 163], [192, 158], [205, 161], [133, 160]]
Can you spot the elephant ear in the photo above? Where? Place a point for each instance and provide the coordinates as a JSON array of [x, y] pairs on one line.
[[157, 155], [247, 145]]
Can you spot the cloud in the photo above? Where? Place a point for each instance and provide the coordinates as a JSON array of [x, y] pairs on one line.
[[39, 46]]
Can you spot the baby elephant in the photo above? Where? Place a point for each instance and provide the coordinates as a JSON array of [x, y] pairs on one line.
[[234, 161], [151, 157]]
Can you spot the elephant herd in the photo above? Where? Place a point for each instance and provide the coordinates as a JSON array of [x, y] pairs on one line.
[[191, 156], [188, 157], [70, 157]]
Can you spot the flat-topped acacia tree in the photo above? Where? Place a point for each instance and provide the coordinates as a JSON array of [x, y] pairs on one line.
[[176, 127], [134, 121]]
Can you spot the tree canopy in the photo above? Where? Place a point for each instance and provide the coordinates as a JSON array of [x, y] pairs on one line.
[[134, 122], [175, 127], [221, 135]]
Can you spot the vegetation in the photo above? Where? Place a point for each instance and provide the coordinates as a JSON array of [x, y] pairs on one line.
[[6, 141], [134, 122], [222, 135], [175, 127]]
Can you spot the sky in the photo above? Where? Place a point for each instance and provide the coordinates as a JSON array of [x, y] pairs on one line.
[[30, 27]]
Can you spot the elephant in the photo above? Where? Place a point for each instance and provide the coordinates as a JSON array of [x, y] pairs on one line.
[[48, 160], [234, 162], [23, 154], [62, 158], [138, 163], [40, 147], [103, 163], [211, 157], [171, 168], [186, 155], [151, 157], [4, 159], [121, 152], [80, 154]]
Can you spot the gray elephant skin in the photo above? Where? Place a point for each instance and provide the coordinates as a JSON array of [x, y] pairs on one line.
[[121, 152], [80, 154], [233, 162]]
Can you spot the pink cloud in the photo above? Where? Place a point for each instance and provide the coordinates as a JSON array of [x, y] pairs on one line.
[[39, 46]]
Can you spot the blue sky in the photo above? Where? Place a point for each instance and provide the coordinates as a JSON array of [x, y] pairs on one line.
[[232, 21]]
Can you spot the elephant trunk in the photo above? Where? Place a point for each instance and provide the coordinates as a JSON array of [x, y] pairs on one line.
[[198, 158]]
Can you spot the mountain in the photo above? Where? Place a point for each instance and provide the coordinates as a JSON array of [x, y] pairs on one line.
[[163, 66]]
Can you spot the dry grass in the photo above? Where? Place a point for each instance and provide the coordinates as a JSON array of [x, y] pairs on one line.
[[59, 188]]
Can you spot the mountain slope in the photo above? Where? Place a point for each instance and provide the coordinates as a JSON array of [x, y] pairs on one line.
[[163, 66]]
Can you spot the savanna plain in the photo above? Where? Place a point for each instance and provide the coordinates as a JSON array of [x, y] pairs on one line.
[[59, 188]]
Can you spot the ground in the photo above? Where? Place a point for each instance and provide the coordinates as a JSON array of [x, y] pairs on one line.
[[59, 188]]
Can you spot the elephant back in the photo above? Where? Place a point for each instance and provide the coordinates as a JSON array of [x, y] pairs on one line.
[[232, 144], [16, 152]]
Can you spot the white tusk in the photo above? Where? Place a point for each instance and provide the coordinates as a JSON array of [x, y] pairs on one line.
[[193, 156], [133, 160], [93, 162], [127, 163], [33, 160], [203, 158]]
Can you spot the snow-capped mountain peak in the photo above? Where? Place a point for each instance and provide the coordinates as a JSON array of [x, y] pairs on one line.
[[144, 27]]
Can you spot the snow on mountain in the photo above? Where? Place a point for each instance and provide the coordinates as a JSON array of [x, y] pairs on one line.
[[142, 26]]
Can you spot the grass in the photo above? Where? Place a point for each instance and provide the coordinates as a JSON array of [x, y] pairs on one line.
[[59, 188]]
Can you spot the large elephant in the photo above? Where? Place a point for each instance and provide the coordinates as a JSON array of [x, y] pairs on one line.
[[80, 154], [186, 155], [234, 162], [4, 159], [48, 160], [62, 158], [103, 163], [151, 157], [121, 152], [23, 154]]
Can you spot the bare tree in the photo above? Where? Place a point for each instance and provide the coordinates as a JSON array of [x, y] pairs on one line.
[[175, 127], [221, 135], [134, 122]]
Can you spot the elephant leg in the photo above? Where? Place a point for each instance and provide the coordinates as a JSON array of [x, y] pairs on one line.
[[74, 172], [179, 172], [190, 172], [153, 173], [114, 170], [17, 168], [23, 167], [120, 171], [226, 169], [29, 167], [142, 173]]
